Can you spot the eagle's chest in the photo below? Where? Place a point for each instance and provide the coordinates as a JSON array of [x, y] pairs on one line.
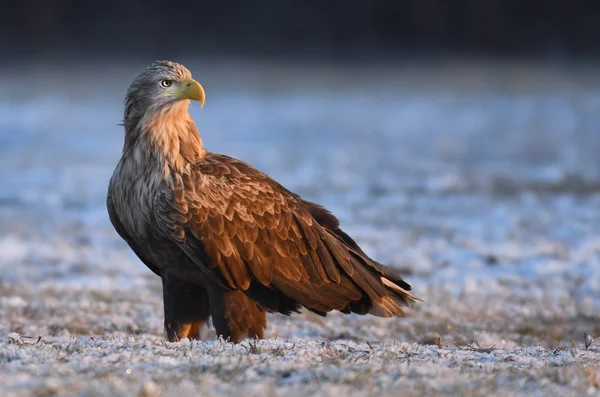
[[134, 193]]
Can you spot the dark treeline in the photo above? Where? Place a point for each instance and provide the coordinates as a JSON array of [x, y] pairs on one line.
[[335, 27]]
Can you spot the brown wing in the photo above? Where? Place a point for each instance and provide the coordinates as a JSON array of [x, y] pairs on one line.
[[251, 231]]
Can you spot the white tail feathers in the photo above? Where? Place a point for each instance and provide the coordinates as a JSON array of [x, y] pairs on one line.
[[398, 288], [390, 306]]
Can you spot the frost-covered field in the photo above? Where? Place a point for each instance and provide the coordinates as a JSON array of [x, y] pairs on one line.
[[480, 181]]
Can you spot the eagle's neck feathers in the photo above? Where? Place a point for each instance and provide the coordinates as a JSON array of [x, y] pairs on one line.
[[165, 137]]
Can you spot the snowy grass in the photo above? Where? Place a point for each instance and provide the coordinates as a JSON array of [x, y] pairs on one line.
[[110, 342], [147, 365], [481, 184]]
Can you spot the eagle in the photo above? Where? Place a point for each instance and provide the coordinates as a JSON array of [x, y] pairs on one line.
[[228, 241]]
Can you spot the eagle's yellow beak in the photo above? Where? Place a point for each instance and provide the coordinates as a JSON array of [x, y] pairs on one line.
[[188, 89], [191, 89]]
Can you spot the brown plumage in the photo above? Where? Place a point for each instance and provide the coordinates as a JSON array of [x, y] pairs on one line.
[[226, 239]]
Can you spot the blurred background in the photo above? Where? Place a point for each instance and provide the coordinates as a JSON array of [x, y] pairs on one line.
[[458, 141], [334, 29]]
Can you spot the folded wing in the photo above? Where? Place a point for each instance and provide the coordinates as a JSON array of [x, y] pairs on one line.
[[256, 236]]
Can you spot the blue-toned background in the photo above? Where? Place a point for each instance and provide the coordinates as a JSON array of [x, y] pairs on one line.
[[466, 154]]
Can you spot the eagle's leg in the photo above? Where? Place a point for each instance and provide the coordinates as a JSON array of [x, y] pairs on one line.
[[186, 308], [234, 315]]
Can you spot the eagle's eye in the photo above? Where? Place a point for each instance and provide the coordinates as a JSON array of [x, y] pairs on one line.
[[166, 83]]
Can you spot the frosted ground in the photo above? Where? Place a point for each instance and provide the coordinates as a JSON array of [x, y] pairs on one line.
[[480, 182]]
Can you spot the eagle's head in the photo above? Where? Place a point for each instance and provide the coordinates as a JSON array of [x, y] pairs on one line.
[[159, 87]]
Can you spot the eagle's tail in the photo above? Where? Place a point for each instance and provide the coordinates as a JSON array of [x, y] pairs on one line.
[[391, 305], [398, 293]]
